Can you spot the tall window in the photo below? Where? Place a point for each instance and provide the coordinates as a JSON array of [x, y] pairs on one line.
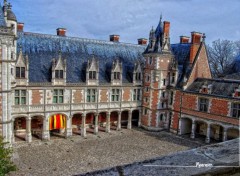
[[59, 74], [20, 97], [236, 110], [164, 82], [20, 72], [92, 74], [58, 96], [138, 76], [116, 75], [91, 95], [203, 104], [173, 78], [171, 98], [136, 94], [150, 60], [115, 94]]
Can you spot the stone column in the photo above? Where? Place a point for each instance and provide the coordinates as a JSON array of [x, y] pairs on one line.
[[28, 130], [129, 125], [68, 131], [45, 133], [179, 126], [83, 126], [13, 134], [224, 138], [119, 121], [193, 129], [139, 117], [207, 140], [108, 123], [96, 124]]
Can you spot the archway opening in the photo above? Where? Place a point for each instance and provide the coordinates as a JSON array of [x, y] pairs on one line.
[[232, 133], [37, 127], [102, 121], [90, 122], [135, 118], [216, 132], [20, 129], [76, 124], [57, 126], [201, 130], [186, 126], [113, 120], [124, 119]]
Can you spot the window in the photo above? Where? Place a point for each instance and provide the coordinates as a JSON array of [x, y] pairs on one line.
[[116, 75], [163, 94], [150, 60], [59, 74], [145, 111], [146, 100], [136, 94], [147, 89], [147, 78], [92, 74], [20, 72], [161, 117], [115, 94], [236, 110], [203, 104], [173, 78], [58, 96], [138, 76], [171, 98], [20, 97], [91, 95], [164, 82]]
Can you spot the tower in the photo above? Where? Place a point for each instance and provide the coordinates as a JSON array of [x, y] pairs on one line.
[[159, 75]]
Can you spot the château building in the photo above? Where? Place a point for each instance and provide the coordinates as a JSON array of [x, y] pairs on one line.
[[55, 84]]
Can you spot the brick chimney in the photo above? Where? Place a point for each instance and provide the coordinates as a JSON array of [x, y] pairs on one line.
[[195, 43], [114, 38], [184, 39], [166, 28], [61, 32], [20, 27], [142, 41]]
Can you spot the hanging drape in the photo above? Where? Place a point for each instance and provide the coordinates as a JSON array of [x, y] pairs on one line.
[[57, 121]]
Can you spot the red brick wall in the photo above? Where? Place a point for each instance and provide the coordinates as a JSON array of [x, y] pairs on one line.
[[189, 101], [103, 95], [36, 97], [176, 110], [219, 106], [77, 96], [126, 94]]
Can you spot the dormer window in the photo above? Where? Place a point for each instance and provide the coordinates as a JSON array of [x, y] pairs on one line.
[[173, 78], [116, 76], [20, 72], [138, 76], [59, 74], [92, 74]]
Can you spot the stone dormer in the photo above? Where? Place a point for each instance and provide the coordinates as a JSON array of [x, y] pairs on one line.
[[236, 93], [59, 71], [116, 72], [92, 72], [137, 73], [21, 70], [206, 89]]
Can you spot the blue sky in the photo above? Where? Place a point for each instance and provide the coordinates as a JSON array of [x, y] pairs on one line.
[[131, 19]]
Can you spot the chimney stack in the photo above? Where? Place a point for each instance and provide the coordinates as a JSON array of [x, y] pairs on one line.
[[61, 32], [184, 39], [142, 41], [166, 28], [114, 38], [20, 27], [195, 44]]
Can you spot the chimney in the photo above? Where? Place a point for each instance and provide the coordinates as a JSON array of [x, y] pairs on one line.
[[61, 32], [184, 39], [114, 38], [166, 28], [142, 41], [195, 43], [20, 27]]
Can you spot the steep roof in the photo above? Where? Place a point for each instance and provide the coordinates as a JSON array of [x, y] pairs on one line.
[[2, 20], [220, 87], [41, 49]]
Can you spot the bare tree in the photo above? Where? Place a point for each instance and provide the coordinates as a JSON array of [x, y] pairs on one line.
[[221, 56]]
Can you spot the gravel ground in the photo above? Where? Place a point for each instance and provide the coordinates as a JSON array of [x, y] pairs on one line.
[[77, 155]]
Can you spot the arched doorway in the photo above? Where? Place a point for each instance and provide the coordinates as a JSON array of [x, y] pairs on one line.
[[232, 133], [57, 125], [201, 130], [216, 132], [124, 119], [135, 117], [37, 127], [113, 120], [76, 123], [90, 122], [102, 120], [20, 129], [186, 126]]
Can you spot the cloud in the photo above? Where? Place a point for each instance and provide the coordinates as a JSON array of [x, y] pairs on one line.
[[130, 19]]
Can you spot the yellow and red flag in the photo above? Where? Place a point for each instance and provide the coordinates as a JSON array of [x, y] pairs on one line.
[[57, 122]]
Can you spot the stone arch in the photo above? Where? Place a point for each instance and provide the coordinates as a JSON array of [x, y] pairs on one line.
[[124, 118], [37, 126], [216, 131], [135, 117], [232, 133], [186, 125], [54, 113], [58, 124], [76, 123], [200, 128], [19, 128]]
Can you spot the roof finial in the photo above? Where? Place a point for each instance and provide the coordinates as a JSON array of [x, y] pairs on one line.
[[5, 2], [161, 17], [203, 37]]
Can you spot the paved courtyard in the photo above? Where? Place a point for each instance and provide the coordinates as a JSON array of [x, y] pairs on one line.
[[78, 155]]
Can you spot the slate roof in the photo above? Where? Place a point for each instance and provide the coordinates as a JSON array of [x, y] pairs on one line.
[[41, 49], [2, 20], [220, 87]]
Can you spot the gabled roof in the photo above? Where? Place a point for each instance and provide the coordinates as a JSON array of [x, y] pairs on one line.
[[2, 20], [220, 87], [41, 49]]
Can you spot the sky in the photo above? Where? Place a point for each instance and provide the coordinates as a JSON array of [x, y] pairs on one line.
[[131, 19]]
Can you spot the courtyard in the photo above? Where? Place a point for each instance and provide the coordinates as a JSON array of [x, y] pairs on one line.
[[78, 155]]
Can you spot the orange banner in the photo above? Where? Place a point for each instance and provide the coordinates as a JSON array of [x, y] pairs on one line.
[[57, 122]]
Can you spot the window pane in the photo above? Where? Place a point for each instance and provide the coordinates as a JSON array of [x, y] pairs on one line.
[[61, 92], [23, 100], [56, 74], [94, 75], [17, 72], [17, 101], [60, 100], [88, 98], [55, 99], [93, 98], [16, 92], [112, 97], [55, 92], [117, 97], [23, 93], [22, 72], [61, 74]]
